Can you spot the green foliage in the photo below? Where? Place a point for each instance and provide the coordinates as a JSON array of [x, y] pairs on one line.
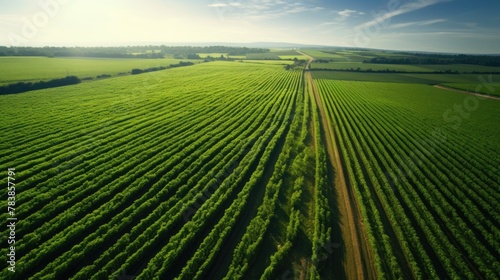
[[109, 173], [124, 52], [405, 78], [424, 193], [152, 174], [23, 87], [263, 56], [438, 59], [476, 86], [363, 67]]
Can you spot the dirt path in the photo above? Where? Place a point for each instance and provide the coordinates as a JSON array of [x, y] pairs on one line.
[[467, 92], [358, 260]]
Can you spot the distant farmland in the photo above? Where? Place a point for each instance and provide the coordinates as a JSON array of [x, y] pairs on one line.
[[26, 69], [257, 168]]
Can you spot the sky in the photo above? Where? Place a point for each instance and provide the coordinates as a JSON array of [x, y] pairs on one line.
[[455, 26]]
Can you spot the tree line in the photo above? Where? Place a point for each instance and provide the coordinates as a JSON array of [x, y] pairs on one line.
[[438, 59], [124, 52], [27, 86], [136, 71]]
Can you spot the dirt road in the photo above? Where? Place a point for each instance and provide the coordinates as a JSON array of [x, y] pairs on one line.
[[358, 260], [467, 92]]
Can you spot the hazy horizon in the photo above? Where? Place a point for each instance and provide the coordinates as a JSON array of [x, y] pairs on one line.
[[447, 26]]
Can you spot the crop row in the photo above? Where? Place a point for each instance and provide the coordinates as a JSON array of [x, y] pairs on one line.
[[432, 214], [250, 244], [256, 158], [120, 193], [133, 186]]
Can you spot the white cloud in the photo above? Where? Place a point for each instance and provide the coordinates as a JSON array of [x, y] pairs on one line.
[[348, 12], [406, 8], [344, 14], [265, 9], [221, 5], [417, 23], [328, 23], [433, 21]]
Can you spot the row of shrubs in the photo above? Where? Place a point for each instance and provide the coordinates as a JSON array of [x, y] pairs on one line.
[[152, 69], [27, 86]]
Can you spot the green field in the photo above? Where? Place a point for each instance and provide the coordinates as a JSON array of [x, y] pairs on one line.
[[238, 56], [323, 55], [405, 68], [245, 170], [214, 55], [464, 68], [136, 159], [264, 56], [355, 61], [297, 56], [347, 56], [474, 80], [367, 66], [24, 69], [482, 85], [266, 61], [288, 54], [377, 77], [284, 51], [426, 178], [218, 55]]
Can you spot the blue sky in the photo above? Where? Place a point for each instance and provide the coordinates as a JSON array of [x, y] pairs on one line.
[[462, 26]]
